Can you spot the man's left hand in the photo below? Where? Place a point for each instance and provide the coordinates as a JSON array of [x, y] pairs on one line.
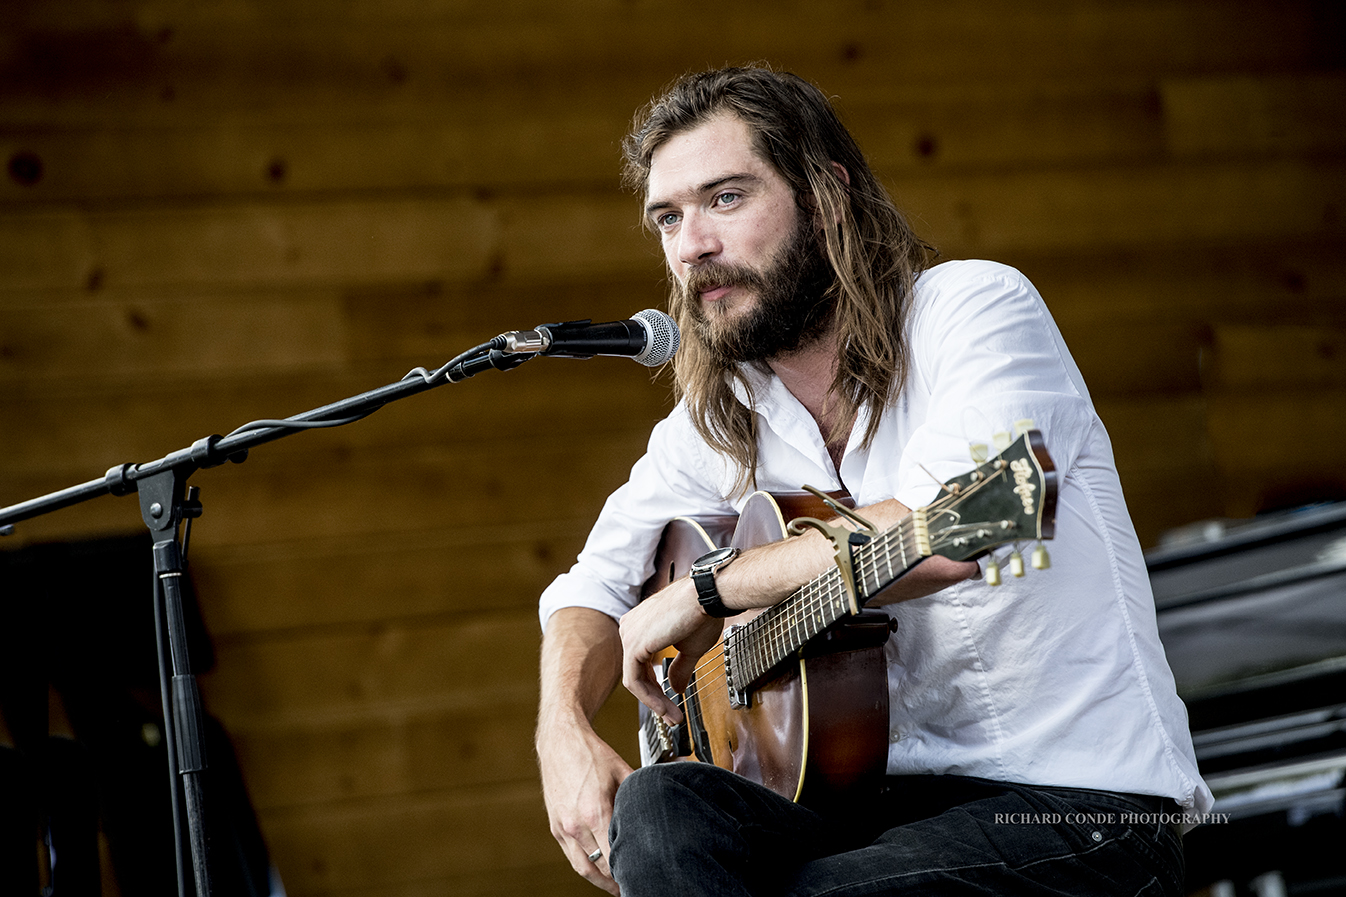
[[671, 617]]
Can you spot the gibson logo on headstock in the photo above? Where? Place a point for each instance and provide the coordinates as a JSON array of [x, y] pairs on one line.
[[1023, 472]]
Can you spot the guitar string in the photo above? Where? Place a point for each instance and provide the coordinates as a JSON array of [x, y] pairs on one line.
[[760, 627], [813, 601], [783, 630], [716, 656], [719, 684]]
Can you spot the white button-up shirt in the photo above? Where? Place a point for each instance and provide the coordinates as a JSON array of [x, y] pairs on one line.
[[1057, 678]]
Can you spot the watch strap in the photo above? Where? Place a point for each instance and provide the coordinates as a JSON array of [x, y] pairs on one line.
[[707, 594]]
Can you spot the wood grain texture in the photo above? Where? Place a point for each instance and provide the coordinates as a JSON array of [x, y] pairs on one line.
[[222, 211], [270, 243], [247, 244]]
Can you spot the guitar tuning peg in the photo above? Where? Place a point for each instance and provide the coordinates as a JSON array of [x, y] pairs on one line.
[[1001, 441], [980, 452], [1016, 563], [1022, 426], [992, 572], [1041, 560]]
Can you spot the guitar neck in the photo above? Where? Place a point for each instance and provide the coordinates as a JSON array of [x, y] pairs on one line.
[[890, 554], [755, 649]]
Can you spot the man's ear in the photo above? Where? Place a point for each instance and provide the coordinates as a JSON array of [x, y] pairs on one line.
[[845, 177]]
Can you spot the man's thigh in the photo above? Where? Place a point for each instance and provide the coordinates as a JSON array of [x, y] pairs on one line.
[[1013, 841], [693, 828]]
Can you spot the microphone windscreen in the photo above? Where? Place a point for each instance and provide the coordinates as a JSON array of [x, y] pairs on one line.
[[661, 337]]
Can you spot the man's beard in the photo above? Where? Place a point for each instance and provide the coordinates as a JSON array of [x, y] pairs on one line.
[[794, 302]]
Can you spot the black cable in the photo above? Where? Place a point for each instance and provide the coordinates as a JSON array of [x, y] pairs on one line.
[[430, 379], [299, 424], [496, 343]]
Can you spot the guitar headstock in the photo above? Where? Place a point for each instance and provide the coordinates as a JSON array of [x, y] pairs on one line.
[[1009, 498]]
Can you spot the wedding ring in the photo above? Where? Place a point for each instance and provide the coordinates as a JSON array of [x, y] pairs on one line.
[[596, 855]]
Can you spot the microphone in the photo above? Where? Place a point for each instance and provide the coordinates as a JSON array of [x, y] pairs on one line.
[[650, 337]]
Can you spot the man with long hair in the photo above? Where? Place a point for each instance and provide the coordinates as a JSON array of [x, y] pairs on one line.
[[1037, 742]]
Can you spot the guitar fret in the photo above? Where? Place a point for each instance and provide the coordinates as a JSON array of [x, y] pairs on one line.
[[758, 660], [861, 566], [888, 554], [875, 560], [775, 640]]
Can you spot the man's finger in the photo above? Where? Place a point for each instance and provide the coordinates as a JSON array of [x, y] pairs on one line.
[[594, 871], [641, 684]]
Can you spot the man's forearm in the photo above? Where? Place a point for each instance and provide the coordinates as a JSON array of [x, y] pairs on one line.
[[579, 667], [767, 575]]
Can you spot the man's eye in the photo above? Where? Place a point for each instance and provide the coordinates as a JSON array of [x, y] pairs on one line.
[[668, 219], [725, 199]]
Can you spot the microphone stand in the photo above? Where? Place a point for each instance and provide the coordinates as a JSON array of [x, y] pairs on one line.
[[165, 504]]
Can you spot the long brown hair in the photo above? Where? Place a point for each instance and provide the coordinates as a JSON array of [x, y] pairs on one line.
[[874, 253]]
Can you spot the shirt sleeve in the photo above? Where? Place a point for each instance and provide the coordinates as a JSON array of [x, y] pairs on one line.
[[986, 355], [674, 478]]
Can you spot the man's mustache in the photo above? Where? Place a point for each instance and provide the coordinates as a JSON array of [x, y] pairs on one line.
[[719, 274]]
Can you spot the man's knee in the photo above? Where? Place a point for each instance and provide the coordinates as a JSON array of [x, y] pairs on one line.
[[650, 790], [650, 823]]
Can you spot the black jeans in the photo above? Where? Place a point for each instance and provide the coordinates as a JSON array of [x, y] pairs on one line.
[[692, 828]]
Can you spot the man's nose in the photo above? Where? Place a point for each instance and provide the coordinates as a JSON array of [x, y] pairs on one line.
[[698, 240]]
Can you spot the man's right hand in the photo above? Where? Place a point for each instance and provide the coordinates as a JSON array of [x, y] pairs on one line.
[[580, 665], [580, 775]]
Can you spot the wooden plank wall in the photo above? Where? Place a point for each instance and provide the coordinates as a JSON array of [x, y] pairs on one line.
[[225, 210]]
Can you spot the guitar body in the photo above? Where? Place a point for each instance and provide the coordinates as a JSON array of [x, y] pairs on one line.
[[817, 730], [820, 725]]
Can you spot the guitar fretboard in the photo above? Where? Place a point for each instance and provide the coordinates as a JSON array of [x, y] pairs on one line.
[[754, 649]]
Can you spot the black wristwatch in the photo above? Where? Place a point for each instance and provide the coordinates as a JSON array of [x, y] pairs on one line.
[[703, 577]]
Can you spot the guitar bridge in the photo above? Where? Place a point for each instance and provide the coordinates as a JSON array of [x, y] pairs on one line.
[[660, 742], [655, 739]]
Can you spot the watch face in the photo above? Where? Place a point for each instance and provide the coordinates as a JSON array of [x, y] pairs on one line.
[[714, 558]]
